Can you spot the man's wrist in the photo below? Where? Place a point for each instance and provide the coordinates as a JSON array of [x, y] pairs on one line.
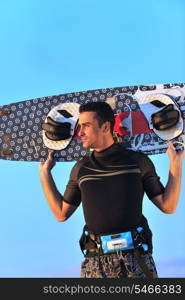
[[45, 171], [175, 167]]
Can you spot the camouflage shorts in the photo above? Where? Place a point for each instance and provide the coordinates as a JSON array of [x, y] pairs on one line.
[[116, 265]]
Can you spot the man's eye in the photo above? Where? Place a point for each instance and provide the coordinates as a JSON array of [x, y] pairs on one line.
[[85, 125]]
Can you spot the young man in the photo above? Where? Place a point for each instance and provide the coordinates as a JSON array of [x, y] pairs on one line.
[[110, 183]]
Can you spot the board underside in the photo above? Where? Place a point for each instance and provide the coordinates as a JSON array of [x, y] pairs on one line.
[[21, 132]]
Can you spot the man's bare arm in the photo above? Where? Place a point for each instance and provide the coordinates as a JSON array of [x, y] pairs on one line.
[[168, 201], [60, 209]]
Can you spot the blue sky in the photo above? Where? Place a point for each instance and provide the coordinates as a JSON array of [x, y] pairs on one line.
[[60, 46]]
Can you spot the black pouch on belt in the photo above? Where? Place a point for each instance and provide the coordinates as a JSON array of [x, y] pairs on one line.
[[86, 243]]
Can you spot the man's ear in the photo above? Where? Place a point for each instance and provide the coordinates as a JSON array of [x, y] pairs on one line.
[[106, 126]]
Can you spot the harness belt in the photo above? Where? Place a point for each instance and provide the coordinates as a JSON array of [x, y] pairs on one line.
[[135, 241]]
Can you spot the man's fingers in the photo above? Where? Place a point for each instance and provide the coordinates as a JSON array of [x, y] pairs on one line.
[[170, 144], [172, 150], [51, 155]]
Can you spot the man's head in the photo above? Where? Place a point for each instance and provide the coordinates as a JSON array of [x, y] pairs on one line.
[[96, 124]]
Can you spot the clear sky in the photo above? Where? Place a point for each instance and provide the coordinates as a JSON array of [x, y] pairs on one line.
[[61, 46]]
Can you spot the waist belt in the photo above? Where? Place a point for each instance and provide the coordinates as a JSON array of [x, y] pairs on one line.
[[135, 241], [104, 244]]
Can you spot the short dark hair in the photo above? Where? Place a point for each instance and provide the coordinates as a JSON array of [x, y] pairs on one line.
[[103, 111]]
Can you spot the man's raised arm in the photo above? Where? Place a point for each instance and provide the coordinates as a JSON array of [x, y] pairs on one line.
[[167, 202], [60, 209]]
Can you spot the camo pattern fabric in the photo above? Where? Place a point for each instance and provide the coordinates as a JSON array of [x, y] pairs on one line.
[[116, 265]]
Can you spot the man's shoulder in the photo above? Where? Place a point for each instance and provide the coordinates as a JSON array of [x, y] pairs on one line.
[[80, 163], [133, 153], [137, 156], [76, 168], [83, 160]]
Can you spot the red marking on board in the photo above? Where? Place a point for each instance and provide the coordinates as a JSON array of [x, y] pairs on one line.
[[137, 125], [118, 127]]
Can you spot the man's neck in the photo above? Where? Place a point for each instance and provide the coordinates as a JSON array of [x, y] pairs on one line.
[[104, 146]]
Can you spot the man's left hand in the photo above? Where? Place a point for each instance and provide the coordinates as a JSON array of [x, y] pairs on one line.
[[174, 155]]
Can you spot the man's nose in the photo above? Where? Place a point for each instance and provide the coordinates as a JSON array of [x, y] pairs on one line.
[[80, 131]]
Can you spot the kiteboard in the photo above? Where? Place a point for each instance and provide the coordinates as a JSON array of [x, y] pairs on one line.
[[22, 136]]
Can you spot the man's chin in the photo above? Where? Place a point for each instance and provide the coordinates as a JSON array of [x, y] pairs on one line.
[[86, 145]]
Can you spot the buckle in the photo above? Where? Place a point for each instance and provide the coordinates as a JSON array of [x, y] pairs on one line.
[[139, 239]]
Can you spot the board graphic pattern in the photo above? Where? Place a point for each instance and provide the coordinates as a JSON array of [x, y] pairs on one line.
[[20, 123]]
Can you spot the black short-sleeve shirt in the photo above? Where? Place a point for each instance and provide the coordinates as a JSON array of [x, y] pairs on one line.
[[111, 185]]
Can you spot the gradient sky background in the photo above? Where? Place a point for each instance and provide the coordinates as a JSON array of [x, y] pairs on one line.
[[61, 46]]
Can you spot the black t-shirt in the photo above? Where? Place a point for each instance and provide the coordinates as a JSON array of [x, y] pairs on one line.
[[111, 185]]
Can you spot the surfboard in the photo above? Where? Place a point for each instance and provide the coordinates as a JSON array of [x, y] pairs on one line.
[[21, 134]]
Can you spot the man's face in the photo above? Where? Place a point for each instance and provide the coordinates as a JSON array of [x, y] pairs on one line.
[[90, 132]]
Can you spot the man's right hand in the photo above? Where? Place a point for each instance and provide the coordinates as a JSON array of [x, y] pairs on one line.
[[48, 164]]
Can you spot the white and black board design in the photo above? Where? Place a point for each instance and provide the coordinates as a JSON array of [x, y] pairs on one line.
[[21, 132]]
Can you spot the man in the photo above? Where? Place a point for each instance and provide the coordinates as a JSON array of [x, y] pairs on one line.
[[110, 183]]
